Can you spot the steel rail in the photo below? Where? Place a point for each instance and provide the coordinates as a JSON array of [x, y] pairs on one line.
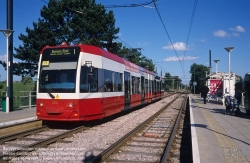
[[106, 153], [13, 128], [25, 149], [22, 134], [170, 141]]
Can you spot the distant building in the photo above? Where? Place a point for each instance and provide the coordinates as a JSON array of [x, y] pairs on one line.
[[219, 85]]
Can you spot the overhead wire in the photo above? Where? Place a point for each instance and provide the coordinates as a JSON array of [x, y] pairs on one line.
[[190, 28], [156, 8], [134, 5], [155, 62], [129, 5]]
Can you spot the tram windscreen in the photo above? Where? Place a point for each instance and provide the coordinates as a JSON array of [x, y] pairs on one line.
[[58, 70]]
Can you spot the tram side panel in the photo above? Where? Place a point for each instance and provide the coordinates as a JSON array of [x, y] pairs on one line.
[[112, 84]]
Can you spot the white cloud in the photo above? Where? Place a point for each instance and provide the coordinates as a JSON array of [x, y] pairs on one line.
[[220, 33], [203, 40], [181, 58], [144, 43], [238, 29], [179, 46], [119, 35], [235, 34], [4, 58]]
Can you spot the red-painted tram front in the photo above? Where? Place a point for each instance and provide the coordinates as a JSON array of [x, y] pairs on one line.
[[83, 82]]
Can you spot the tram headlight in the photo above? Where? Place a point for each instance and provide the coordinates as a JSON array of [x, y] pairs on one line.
[[71, 104], [41, 104]]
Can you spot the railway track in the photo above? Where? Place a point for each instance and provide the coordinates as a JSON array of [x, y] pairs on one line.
[[181, 148], [8, 155], [10, 129], [11, 153], [147, 142]]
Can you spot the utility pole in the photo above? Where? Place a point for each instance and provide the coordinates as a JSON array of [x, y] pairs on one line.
[[194, 81], [9, 48]]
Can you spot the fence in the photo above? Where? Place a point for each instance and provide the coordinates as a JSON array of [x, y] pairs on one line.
[[21, 99]]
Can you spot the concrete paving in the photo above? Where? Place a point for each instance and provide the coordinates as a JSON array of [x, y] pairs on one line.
[[17, 116], [220, 138]]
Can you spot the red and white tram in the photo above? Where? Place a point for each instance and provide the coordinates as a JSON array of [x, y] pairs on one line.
[[83, 82]]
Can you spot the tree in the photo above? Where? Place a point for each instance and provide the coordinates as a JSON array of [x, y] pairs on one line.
[[133, 55], [198, 72], [26, 79], [1, 85], [168, 81], [71, 21]]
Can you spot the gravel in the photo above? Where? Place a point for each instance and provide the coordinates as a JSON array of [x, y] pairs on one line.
[[90, 143]]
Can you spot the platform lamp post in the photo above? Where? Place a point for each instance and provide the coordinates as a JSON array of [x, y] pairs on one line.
[[7, 33], [210, 70], [216, 61], [229, 49], [206, 77]]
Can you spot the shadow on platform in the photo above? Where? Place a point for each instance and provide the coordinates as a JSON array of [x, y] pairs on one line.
[[205, 126]]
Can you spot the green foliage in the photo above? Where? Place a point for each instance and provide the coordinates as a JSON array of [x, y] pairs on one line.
[[71, 21], [74, 22], [19, 91], [171, 81], [198, 71], [26, 79], [168, 81], [134, 55], [1, 85]]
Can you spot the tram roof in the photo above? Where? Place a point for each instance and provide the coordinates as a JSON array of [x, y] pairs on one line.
[[101, 52]]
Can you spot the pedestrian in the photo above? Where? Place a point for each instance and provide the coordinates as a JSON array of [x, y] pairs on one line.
[[238, 96], [238, 92], [204, 91]]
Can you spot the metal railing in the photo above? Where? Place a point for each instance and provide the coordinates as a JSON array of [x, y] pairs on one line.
[[21, 99]]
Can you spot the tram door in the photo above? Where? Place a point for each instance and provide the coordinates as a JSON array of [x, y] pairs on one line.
[[142, 90], [127, 90]]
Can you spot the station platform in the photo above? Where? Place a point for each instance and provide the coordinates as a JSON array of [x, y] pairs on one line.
[[17, 116], [217, 137]]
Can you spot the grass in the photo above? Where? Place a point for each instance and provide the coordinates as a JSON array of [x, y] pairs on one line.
[[20, 94]]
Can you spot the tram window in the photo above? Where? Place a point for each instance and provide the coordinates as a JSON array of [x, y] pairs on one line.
[[137, 85], [108, 81], [118, 82], [133, 85], [84, 84], [146, 85], [149, 89], [94, 80]]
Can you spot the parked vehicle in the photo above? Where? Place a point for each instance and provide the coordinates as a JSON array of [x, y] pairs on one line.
[[232, 106]]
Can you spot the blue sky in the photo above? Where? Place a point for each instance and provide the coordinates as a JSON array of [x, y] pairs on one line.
[[216, 24]]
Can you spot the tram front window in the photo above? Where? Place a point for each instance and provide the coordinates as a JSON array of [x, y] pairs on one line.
[[57, 81]]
